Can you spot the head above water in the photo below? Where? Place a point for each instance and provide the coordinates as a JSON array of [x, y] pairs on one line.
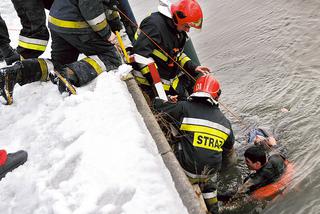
[[255, 157], [187, 14], [207, 87]]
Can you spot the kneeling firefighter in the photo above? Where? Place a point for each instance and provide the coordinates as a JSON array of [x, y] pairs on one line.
[[77, 26], [207, 139]]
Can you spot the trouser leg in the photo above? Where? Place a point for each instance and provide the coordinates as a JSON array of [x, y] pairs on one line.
[[101, 56], [34, 34]]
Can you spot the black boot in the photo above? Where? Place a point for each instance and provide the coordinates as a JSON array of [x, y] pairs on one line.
[[8, 78], [10, 55], [64, 78], [13, 161]]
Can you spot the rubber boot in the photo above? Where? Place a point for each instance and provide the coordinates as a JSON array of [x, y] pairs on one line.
[[13, 160], [8, 78], [64, 78]]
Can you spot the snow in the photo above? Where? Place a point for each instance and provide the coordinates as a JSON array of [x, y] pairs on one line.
[[88, 153]]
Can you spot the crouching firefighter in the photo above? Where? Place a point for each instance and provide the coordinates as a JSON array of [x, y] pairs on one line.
[[207, 138], [76, 26], [166, 35]]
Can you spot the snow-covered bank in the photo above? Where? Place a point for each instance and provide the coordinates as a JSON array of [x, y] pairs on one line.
[[89, 153]]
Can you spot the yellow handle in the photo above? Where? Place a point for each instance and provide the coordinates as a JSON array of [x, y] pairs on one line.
[[122, 46]]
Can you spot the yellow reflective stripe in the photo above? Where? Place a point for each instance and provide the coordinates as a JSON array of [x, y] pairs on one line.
[[33, 40], [67, 24], [142, 80], [145, 70], [211, 201], [94, 64], [136, 36], [166, 87], [160, 55], [197, 180], [175, 83], [203, 129], [100, 26], [32, 46], [44, 69], [184, 60]]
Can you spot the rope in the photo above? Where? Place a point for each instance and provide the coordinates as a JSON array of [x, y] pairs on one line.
[[183, 70]]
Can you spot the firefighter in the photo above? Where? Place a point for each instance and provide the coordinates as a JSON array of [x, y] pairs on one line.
[[7, 53], [76, 26], [10, 161], [207, 138], [168, 29], [34, 35]]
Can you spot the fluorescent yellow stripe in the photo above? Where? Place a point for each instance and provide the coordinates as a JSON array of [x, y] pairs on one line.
[[197, 180], [175, 83], [136, 36], [166, 87], [67, 24], [142, 81], [32, 46], [184, 60], [100, 26], [203, 129], [94, 64], [211, 201], [160, 55], [145, 70], [44, 70]]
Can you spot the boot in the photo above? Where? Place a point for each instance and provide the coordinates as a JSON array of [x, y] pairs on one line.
[[64, 78], [8, 78], [13, 160], [10, 55]]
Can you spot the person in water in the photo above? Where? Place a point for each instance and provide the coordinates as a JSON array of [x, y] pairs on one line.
[[268, 161]]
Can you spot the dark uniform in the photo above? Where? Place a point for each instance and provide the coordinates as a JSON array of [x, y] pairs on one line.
[[7, 53], [77, 26], [207, 137], [164, 32], [34, 35], [81, 26]]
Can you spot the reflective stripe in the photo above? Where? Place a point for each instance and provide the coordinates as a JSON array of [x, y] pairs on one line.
[[145, 70], [99, 61], [203, 129], [44, 69], [160, 55], [33, 40], [94, 64], [67, 24], [175, 83], [142, 81], [32, 46], [183, 59], [209, 195], [98, 23], [202, 122]]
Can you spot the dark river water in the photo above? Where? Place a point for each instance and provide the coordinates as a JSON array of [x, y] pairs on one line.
[[266, 55]]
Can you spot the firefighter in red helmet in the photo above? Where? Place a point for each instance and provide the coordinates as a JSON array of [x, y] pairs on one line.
[[206, 141], [166, 37]]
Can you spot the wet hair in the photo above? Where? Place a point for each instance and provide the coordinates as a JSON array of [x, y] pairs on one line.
[[256, 153]]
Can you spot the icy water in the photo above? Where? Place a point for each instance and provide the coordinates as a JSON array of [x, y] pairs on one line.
[[266, 55]]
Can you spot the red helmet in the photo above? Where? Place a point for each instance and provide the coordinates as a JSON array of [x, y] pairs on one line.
[[187, 12], [207, 86]]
